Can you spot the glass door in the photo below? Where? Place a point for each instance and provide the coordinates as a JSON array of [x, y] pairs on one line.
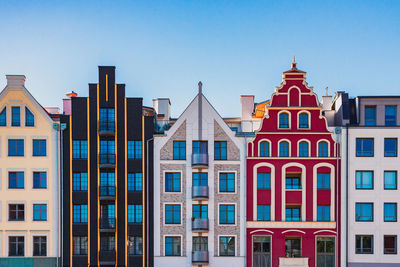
[[261, 251]]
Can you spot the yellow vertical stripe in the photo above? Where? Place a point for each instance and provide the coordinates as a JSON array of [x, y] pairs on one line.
[[107, 87], [70, 186], [143, 196], [116, 176], [126, 186], [88, 173], [98, 182]]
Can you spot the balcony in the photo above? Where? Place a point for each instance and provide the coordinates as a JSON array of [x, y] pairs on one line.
[[107, 257], [200, 224], [199, 160], [107, 192], [200, 192], [106, 128], [200, 257], [107, 224], [106, 160]]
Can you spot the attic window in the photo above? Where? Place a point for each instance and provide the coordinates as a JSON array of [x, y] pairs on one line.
[[29, 118]]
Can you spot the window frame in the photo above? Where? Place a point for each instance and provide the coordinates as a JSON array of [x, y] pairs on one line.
[[360, 187], [266, 182], [12, 116], [41, 205], [361, 215], [388, 121], [173, 172], [181, 148], [33, 245], [373, 147], [17, 140], [289, 148], [324, 181], [234, 245], [395, 211], [384, 181], [227, 173], [227, 212], [134, 149], [26, 117], [221, 155], [361, 242], [39, 172], [326, 210], [4, 109], [135, 215], [384, 147], [287, 113], [16, 172], [266, 216], [9, 244], [136, 184], [368, 121], [180, 245], [173, 213], [39, 141], [300, 150], [299, 125], [9, 211], [395, 245], [80, 181], [320, 142], [261, 148]]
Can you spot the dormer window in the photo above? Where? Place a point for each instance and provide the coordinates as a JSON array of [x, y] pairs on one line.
[[29, 118], [284, 120], [3, 117], [303, 121]]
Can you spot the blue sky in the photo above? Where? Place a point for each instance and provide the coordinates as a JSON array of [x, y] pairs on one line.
[[163, 48]]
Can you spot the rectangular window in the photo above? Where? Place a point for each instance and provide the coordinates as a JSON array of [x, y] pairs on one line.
[[172, 214], [79, 181], [39, 212], [107, 243], [107, 216], [293, 247], [200, 147], [390, 244], [39, 246], [107, 119], [390, 115], [172, 246], [16, 246], [263, 180], [200, 211], [79, 149], [323, 213], [227, 214], [173, 182], [364, 212], [364, 147], [390, 147], [39, 148], [220, 148], [323, 181], [135, 213], [16, 180], [200, 179], [364, 180], [39, 180], [16, 212], [107, 152], [263, 212], [135, 150], [364, 244], [135, 182], [15, 147], [80, 245], [199, 243], [136, 245], [80, 214], [29, 118], [325, 251], [227, 246], [390, 180], [370, 115], [227, 182], [179, 150], [390, 212], [3, 117], [15, 116], [293, 214], [293, 182]]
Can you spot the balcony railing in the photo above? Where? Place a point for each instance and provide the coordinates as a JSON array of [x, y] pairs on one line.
[[200, 224], [107, 224], [106, 160], [106, 127], [107, 256], [199, 257], [199, 160], [107, 192], [200, 192]]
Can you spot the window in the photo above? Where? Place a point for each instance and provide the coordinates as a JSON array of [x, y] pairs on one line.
[[29, 118], [200, 211], [227, 246], [107, 151], [80, 214], [173, 182], [179, 150], [364, 147], [390, 244], [16, 212], [39, 212], [325, 251], [263, 212], [303, 121], [264, 149], [80, 245], [323, 213], [136, 245], [200, 147], [199, 179], [284, 120], [135, 213], [107, 216], [135, 181], [79, 181], [303, 149], [390, 178], [370, 115], [39, 180], [364, 244], [39, 148], [293, 214], [107, 243], [172, 246], [390, 147], [16, 147], [200, 243], [292, 247], [3, 117], [220, 150], [135, 150], [364, 180], [390, 212], [15, 116], [364, 212], [284, 149], [16, 246], [390, 115], [323, 181], [227, 214], [107, 119], [107, 183], [16, 180], [39, 246], [227, 182], [79, 149], [322, 149], [263, 180], [293, 181], [172, 214]]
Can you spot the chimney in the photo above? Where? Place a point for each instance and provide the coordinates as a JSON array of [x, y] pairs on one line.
[[247, 102], [162, 106], [15, 81], [71, 94]]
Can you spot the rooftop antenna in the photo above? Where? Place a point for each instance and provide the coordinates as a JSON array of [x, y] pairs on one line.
[[200, 87], [326, 91]]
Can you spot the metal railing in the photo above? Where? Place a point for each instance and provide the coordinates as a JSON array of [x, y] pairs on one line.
[[199, 159], [107, 190], [200, 191], [107, 223], [106, 158]]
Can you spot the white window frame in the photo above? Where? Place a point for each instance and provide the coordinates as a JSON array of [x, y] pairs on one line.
[[12, 202], [8, 178], [298, 119], [34, 234], [236, 241], [47, 177], [309, 147], [47, 145], [44, 202], [289, 120], [236, 184], [171, 235], [227, 203], [24, 234], [16, 138], [172, 224], [279, 148], [164, 181]]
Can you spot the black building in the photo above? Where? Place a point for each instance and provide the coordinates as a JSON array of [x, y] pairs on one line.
[[107, 177]]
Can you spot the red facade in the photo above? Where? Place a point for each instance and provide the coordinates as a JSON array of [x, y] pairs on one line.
[[291, 181]]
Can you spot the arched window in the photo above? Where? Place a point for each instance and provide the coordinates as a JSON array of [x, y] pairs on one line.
[[322, 149], [303, 121], [284, 120], [284, 149], [303, 149], [264, 149]]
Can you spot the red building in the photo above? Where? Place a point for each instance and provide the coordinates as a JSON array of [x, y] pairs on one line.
[[291, 181]]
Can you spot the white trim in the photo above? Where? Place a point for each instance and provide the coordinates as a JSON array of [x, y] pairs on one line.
[[289, 224], [181, 182], [289, 120], [228, 171], [172, 235], [329, 147], [332, 189], [309, 119], [261, 230], [16, 138], [218, 245], [40, 202], [13, 202], [290, 148], [218, 212], [8, 178], [320, 231], [288, 95], [21, 115], [303, 189], [269, 146], [22, 233], [309, 147], [34, 117], [165, 217], [32, 235], [272, 208], [46, 170], [40, 138]]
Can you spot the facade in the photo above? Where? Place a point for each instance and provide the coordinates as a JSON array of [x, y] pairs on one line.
[[199, 188], [107, 177], [292, 186], [29, 185]]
